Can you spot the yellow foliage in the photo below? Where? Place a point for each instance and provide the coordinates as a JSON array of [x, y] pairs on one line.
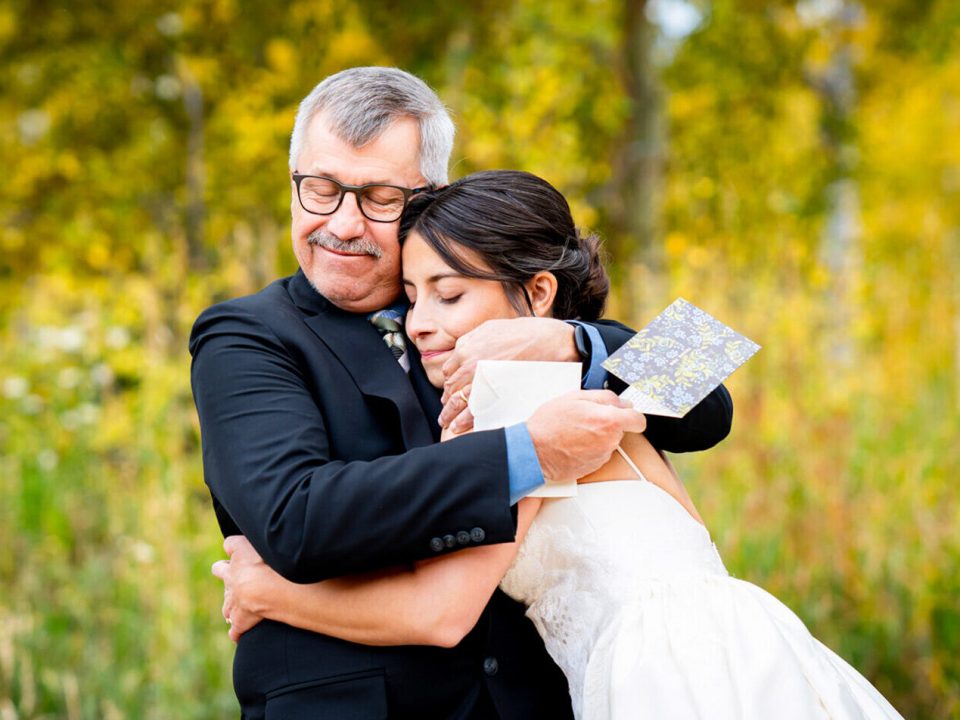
[[836, 489], [354, 46], [281, 56]]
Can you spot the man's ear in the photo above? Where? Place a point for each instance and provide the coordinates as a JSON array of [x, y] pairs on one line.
[[542, 289]]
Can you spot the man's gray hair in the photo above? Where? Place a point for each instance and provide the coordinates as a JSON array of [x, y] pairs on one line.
[[361, 103]]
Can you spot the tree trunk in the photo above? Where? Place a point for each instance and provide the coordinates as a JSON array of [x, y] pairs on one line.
[[634, 197], [195, 207], [840, 250]]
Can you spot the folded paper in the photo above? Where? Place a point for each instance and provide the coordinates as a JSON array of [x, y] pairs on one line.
[[678, 359], [507, 392]]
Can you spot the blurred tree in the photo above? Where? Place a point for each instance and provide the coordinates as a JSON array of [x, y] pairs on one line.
[[833, 80], [731, 151], [634, 197]]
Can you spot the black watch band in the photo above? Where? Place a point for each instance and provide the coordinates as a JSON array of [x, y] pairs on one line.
[[584, 347]]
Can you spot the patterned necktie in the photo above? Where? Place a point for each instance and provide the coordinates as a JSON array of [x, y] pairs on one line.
[[388, 323]]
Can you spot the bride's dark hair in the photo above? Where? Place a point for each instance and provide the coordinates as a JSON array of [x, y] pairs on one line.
[[519, 225]]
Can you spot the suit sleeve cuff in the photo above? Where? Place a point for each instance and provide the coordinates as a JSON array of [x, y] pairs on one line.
[[596, 376], [523, 466]]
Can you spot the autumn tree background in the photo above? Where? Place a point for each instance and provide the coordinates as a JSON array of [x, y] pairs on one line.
[[792, 167]]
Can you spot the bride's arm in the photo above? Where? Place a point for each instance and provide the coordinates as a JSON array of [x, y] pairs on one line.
[[436, 602]]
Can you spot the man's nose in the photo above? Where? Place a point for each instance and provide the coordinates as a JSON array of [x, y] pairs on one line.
[[347, 222]]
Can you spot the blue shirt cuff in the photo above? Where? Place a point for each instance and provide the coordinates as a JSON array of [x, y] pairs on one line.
[[523, 466], [596, 375]]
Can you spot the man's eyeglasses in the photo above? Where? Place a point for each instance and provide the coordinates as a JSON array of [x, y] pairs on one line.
[[381, 203]]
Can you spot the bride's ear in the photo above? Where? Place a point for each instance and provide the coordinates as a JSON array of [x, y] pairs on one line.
[[542, 289]]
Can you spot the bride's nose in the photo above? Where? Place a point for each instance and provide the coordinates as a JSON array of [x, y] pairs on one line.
[[419, 323]]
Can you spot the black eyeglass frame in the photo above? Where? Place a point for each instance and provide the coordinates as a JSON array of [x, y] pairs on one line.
[[356, 190]]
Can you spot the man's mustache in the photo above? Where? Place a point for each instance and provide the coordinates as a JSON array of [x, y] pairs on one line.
[[357, 246]]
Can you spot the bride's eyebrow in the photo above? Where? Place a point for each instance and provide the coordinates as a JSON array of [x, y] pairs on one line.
[[436, 278], [442, 276]]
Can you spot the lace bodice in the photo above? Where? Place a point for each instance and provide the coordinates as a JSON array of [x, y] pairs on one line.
[[586, 556]]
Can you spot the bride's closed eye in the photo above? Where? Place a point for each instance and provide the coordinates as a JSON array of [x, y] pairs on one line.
[[449, 300]]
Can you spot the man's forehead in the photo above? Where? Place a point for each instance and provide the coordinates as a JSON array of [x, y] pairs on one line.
[[392, 157]]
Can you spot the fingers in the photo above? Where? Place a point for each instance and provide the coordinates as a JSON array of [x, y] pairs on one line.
[[238, 548], [453, 376], [220, 569], [232, 543], [455, 406], [575, 433], [462, 423], [240, 622], [458, 378], [599, 397], [229, 611], [460, 366], [633, 421], [619, 411], [602, 397], [630, 420]]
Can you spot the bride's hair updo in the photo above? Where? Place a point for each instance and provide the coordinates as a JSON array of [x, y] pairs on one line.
[[518, 224]]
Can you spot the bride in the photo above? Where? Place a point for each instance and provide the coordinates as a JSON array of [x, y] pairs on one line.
[[622, 581]]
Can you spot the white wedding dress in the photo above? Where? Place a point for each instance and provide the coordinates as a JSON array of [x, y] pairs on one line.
[[635, 606]]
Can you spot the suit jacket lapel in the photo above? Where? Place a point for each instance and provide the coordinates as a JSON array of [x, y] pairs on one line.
[[361, 350]]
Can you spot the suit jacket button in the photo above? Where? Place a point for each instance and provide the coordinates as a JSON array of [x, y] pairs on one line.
[[436, 544], [477, 535], [490, 666], [463, 537], [449, 540]]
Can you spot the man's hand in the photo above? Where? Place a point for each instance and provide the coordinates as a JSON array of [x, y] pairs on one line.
[[578, 432], [245, 578], [527, 338]]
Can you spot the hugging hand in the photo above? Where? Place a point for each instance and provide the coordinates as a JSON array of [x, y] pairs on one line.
[[246, 580], [576, 433], [525, 338]]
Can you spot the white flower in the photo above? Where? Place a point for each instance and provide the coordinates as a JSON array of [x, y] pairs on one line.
[[15, 387], [167, 87], [71, 339], [87, 413], [69, 378], [33, 125], [170, 24], [47, 459], [117, 337], [102, 375], [142, 552]]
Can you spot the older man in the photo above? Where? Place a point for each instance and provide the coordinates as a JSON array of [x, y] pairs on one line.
[[319, 445]]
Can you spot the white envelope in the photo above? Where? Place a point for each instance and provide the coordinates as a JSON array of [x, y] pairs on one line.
[[507, 392]]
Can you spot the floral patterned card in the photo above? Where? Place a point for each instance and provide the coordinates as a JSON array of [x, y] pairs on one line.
[[678, 359]]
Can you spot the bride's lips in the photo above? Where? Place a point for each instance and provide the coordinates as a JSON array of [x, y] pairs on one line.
[[430, 354]]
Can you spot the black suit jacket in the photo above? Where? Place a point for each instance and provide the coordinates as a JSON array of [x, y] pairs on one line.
[[321, 450]]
